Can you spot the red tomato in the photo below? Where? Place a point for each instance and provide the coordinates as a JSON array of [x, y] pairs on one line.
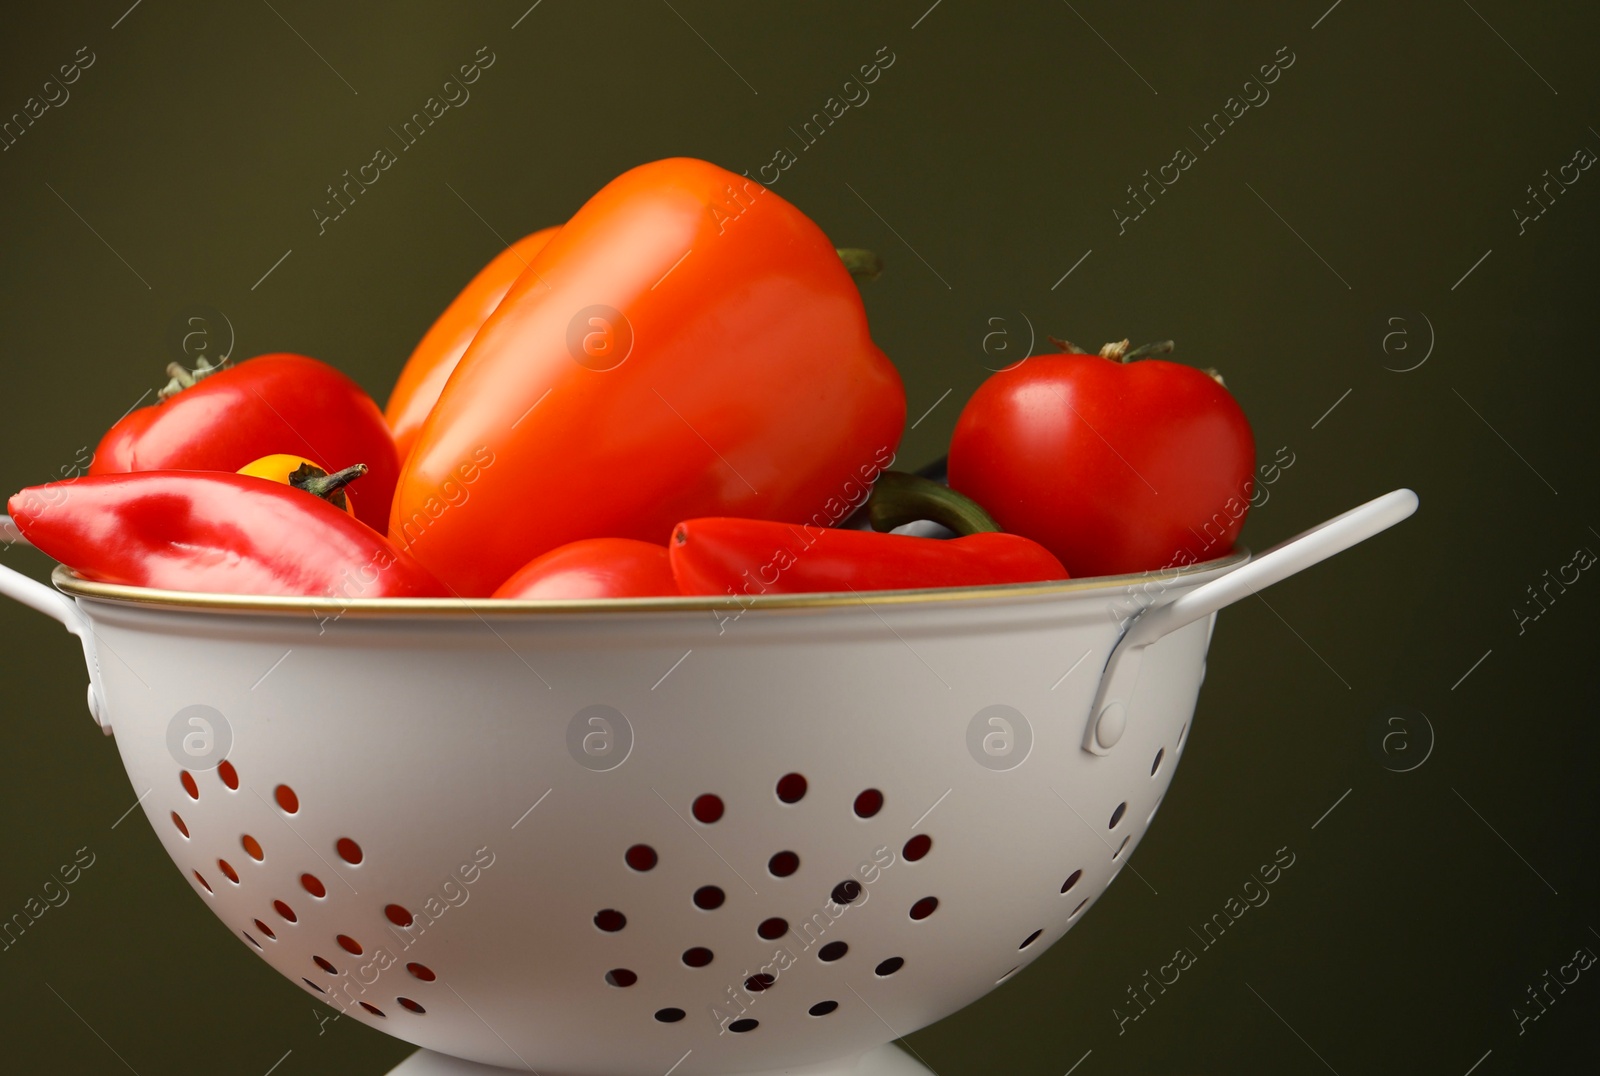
[[594, 568], [260, 407], [1114, 467]]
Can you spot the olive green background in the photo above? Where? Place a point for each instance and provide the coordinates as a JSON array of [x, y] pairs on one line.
[[989, 159]]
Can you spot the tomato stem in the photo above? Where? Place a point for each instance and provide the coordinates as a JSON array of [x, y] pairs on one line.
[[187, 379], [319, 483], [863, 264], [1120, 352], [899, 498], [1144, 351]]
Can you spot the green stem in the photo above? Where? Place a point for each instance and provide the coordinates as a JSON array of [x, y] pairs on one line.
[[319, 483], [863, 264], [899, 498], [187, 379], [1160, 347]]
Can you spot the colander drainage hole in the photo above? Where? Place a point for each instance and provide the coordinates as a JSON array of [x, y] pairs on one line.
[[846, 891], [783, 864], [266, 930], [834, 950], [869, 803], [1118, 853], [287, 800], [1156, 765], [757, 983], [772, 929], [1116, 815], [186, 779], [349, 944], [924, 907], [313, 885], [227, 868], [183, 829], [252, 848], [741, 1026], [397, 915], [708, 808], [1008, 975], [698, 957], [249, 939], [610, 920], [1079, 908], [1072, 880], [284, 910], [409, 1004], [312, 985], [201, 879], [349, 851], [823, 1008], [641, 857], [709, 897], [917, 847], [421, 971], [670, 1016], [229, 775], [621, 977], [325, 965], [1030, 939], [1183, 734], [889, 967], [791, 787], [373, 1009]]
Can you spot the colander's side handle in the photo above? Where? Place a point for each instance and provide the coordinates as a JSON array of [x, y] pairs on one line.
[[57, 606], [1108, 716]]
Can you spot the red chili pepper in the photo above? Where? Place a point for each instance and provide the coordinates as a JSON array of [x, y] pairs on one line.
[[214, 532], [688, 344], [751, 556], [219, 419], [594, 568]]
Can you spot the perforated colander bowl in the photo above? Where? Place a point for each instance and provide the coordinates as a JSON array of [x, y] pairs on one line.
[[616, 838]]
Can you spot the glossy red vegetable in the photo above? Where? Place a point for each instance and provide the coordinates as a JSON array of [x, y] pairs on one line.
[[214, 532], [594, 568], [752, 556], [261, 406], [436, 355], [1114, 466], [689, 344]]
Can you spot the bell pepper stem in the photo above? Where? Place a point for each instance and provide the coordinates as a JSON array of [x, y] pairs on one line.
[[319, 483], [863, 264], [899, 498]]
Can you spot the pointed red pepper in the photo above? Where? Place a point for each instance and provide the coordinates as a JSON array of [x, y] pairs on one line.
[[752, 556], [214, 532]]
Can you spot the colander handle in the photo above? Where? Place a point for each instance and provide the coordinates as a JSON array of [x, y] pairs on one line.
[[1108, 716], [57, 606]]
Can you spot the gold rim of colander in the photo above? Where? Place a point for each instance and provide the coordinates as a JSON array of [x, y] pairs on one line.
[[70, 583]]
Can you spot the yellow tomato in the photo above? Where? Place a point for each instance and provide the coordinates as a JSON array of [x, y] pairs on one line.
[[301, 473]]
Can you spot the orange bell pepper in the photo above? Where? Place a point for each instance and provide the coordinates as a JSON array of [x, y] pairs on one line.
[[428, 368]]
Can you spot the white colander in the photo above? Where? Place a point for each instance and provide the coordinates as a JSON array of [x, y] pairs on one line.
[[643, 836]]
